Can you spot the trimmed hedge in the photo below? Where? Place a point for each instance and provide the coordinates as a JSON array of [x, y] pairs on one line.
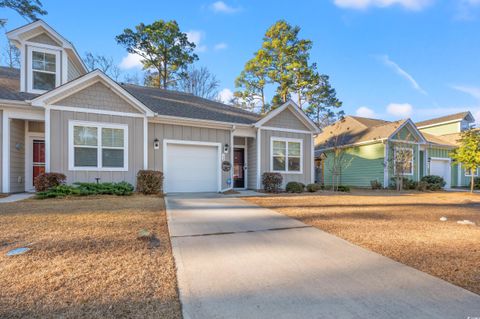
[[433, 182], [312, 188], [476, 183], [86, 189], [149, 182], [272, 182], [294, 187], [46, 181]]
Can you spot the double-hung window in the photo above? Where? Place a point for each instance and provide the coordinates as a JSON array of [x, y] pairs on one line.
[[96, 146], [468, 173], [43, 69], [403, 161], [286, 155]]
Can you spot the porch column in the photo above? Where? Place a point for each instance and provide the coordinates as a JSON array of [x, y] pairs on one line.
[[6, 153]]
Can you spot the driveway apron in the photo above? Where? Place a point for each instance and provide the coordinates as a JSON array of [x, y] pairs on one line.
[[238, 260]]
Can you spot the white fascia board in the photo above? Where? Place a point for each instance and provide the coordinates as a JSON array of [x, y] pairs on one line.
[[168, 119]]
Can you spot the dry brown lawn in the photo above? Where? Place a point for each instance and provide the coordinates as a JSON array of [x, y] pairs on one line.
[[85, 259], [404, 227]]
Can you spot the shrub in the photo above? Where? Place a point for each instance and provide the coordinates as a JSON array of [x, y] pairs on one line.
[[434, 183], [312, 188], [343, 188], [294, 187], [272, 182], [422, 186], [85, 189], [376, 184], [46, 181], [150, 182], [407, 183], [476, 183]]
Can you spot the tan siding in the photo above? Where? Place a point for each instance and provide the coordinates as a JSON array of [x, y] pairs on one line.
[[59, 146], [184, 133], [252, 163], [286, 119], [36, 126], [97, 96], [73, 71], [44, 38], [1, 151], [17, 156], [238, 140], [306, 176]]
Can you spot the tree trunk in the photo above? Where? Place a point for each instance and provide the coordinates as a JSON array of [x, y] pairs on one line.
[[472, 180]]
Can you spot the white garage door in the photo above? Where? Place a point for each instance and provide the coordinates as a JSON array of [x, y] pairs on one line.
[[441, 168], [191, 168]]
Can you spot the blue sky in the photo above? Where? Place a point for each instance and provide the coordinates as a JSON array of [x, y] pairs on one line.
[[386, 58]]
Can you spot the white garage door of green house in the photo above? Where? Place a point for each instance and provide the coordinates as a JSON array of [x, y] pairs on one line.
[[191, 167], [441, 167]]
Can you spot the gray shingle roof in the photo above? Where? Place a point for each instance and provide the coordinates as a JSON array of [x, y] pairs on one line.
[[173, 103], [163, 102], [10, 85]]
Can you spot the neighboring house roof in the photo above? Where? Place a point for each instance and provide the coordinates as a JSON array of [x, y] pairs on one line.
[[448, 118], [179, 104], [354, 130], [10, 85]]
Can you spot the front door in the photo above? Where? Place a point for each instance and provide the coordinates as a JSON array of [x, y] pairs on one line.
[[239, 168], [38, 159]]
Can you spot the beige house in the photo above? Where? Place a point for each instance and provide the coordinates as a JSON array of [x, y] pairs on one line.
[[57, 117]]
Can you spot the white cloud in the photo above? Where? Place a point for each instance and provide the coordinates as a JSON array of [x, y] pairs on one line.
[[225, 95], [400, 110], [414, 5], [222, 7], [197, 36], [470, 90], [404, 74], [131, 61], [364, 111], [220, 46]]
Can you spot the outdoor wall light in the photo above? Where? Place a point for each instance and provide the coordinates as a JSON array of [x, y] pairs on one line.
[[226, 148], [429, 159], [156, 144]]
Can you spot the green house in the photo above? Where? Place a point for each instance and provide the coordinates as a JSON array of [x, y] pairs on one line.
[[355, 151]]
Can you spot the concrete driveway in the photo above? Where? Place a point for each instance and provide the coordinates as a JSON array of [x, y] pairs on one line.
[[237, 260]]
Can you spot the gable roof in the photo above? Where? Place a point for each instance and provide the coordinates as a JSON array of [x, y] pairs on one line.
[[299, 113], [353, 130], [447, 118], [179, 104], [42, 26], [442, 140]]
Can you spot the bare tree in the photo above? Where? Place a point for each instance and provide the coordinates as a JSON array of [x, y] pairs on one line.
[[11, 56], [103, 63], [400, 162], [132, 79], [200, 82]]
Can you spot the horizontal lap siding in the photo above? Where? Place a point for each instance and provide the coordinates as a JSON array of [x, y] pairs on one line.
[[17, 156], [360, 166], [306, 176], [442, 129], [1, 150], [59, 146], [185, 133]]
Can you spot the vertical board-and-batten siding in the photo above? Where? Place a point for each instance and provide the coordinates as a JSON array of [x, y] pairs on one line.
[[1, 151], [59, 146], [17, 156], [286, 119], [362, 164], [98, 96], [185, 133], [306, 176], [251, 163]]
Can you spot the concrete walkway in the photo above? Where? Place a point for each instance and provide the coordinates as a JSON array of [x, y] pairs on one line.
[[16, 197], [237, 260]]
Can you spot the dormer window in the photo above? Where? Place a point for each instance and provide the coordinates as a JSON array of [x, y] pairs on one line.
[[43, 69]]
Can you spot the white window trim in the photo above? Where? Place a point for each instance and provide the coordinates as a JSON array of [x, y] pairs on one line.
[[476, 174], [395, 160], [286, 140], [58, 63], [99, 126]]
